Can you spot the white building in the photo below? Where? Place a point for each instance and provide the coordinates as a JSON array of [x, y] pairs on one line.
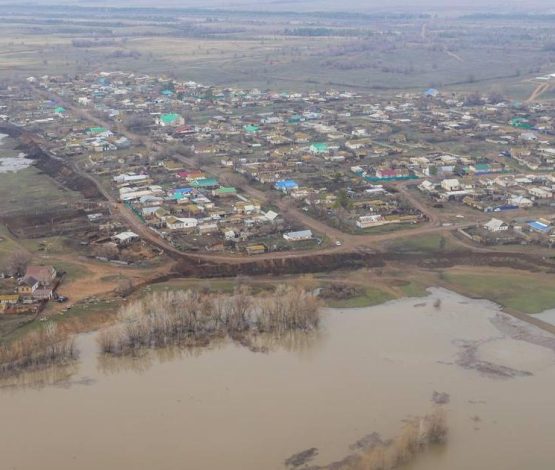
[[496, 225], [175, 223], [540, 193], [125, 238], [451, 184], [367, 221], [130, 178], [298, 236], [521, 201], [426, 186]]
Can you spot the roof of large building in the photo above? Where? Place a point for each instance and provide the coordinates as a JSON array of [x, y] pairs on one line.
[[299, 235], [319, 147], [40, 273], [170, 118], [540, 226], [286, 184], [251, 128], [205, 182]]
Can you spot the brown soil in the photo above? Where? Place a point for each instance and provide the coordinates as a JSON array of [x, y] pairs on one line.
[[101, 280]]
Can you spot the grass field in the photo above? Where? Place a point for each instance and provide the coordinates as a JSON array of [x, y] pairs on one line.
[[48, 245], [31, 190], [371, 296], [260, 51], [525, 292], [431, 243], [7, 244], [414, 288], [73, 271]]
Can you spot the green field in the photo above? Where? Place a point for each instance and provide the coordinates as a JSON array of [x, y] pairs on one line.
[[7, 244], [30, 190], [527, 293], [431, 243], [414, 289], [371, 296]]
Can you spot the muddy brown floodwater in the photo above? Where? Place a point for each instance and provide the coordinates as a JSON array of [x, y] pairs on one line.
[[368, 370]]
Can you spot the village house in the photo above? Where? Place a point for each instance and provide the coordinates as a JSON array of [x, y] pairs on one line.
[[44, 274], [170, 120], [298, 236], [496, 225], [367, 221], [125, 238], [175, 223], [451, 184]]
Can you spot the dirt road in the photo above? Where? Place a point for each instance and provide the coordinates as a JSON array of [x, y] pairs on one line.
[[538, 91]]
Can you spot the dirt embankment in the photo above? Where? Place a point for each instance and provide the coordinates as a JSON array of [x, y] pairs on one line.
[[48, 223], [54, 167], [279, 266], [61, 172], [11, 130], [335, 261]]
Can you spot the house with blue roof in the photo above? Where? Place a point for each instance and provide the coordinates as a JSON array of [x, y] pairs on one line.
[[181, 193], [286, 185], [541, 226]]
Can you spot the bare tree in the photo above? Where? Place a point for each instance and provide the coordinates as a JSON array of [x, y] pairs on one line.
[[192, 318], [17, 263], [124, 287]]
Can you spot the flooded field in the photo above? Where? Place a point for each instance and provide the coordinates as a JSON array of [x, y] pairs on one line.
[[10, 159], [366, 371], [547, 316]]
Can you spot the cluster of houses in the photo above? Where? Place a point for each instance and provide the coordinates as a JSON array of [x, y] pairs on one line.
[[338, 155], [517, 230], [495, 193], [185, 206], [30, 292], [523, 204]]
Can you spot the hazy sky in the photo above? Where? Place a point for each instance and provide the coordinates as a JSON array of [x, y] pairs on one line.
[[324, 5]]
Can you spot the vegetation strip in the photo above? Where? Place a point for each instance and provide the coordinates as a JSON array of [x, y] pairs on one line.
[[36, 350]]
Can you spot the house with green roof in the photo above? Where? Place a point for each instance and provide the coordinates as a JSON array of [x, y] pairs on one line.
[[59, 110], [521, 123], [296, 119], [206, 183], [96, 130], [225, 191], [251, 129], [171, 120], [319, 147]]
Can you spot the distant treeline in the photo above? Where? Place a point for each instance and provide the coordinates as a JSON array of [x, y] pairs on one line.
[[509, 16], [164, 14], [320, 32], [71, 21], [93, 42]]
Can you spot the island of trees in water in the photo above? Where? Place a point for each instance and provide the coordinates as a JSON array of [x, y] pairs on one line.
[[192, 318]]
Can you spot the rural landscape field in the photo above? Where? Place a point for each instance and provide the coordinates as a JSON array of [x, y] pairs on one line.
[[296, 235]]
